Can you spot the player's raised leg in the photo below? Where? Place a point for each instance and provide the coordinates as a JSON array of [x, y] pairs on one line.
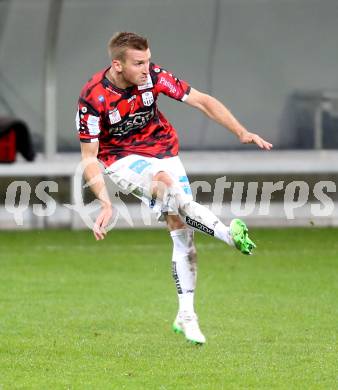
[[198, 217]]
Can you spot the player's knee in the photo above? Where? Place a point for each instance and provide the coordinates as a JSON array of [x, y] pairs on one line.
[[161, 183], [169, 193], [163, 177], [174, 222]]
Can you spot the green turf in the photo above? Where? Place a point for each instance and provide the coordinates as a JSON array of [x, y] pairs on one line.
[[80, 314]]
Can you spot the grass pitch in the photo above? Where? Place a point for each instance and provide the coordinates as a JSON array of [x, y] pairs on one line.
[[81, 314]]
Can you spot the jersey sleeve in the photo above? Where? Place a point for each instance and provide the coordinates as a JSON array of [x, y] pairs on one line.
[[170, 85], [88, 121]]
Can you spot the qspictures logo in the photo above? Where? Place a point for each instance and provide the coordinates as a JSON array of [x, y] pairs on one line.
[[247, 199]]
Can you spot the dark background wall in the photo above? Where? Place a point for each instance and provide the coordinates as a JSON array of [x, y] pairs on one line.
[[251, 54]]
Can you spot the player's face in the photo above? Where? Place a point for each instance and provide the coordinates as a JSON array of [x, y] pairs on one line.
[[135, 67]]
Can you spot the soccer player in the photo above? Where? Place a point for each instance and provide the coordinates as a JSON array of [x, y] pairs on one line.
[[120, 125]]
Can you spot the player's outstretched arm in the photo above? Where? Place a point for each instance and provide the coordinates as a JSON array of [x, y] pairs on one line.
[[216, 111], [96, 182]]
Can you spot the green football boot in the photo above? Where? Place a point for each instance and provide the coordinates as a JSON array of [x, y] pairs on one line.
[[239, 234]]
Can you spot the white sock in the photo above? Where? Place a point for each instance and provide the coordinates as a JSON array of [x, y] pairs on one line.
[[202, 219], [196, 216], [184, 267]]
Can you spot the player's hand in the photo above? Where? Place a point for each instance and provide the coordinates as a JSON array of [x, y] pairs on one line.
[[252, 138], [102, 221]]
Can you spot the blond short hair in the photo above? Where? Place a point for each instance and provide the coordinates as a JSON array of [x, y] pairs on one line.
[[121, 41]]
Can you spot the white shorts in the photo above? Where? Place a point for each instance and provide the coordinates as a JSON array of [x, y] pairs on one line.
[[134, 174]]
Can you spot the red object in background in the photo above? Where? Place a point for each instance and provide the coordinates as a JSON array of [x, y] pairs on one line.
[[8, 146]]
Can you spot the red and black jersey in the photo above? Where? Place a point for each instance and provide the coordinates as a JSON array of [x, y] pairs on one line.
[[127, 121]]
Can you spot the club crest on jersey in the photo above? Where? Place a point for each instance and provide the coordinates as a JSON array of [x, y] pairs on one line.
[[148, 98], [148, 84], [114, 116]]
